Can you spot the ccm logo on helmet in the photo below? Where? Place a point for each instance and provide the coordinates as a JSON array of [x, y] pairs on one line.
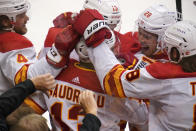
[[181, 31], [147, 14], [96, 26]]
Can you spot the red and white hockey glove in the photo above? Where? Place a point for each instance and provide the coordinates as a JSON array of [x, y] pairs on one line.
[[90, 23], [127, 59], [64, 19], [65, 42]]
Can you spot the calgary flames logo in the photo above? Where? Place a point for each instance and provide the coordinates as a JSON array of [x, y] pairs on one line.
[[115, 9], [147, 14]]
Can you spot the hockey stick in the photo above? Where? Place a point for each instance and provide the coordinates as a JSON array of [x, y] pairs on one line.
[[179, 9]]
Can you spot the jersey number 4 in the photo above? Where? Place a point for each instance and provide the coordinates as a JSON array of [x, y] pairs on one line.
[[21, 58], [73, 113]]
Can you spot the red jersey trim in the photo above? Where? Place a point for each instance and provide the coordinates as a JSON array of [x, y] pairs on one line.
[[12, 41], [167, 71], [116, 74], [82, 68], [112, 82], [107, 83]]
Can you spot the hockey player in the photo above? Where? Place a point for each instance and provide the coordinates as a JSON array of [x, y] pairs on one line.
[[170, 86], [72, 81], [146, 44], [152, 24], [18, 57], [79, 76], [164, 19], [110, 9]]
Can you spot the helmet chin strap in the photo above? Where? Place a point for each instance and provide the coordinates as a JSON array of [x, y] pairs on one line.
[[159, 46]]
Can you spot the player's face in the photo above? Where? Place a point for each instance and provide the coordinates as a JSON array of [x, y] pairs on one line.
[[148, 42], [20, 24]]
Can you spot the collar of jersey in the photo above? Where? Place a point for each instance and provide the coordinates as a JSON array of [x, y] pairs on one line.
[[76, 64]]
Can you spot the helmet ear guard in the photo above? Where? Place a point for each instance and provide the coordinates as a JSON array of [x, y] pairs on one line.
[[81, 49], [174, 55], [180, 38]]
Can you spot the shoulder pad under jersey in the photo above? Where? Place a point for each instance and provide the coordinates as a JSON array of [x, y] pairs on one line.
[[13, 41], [167, 71]]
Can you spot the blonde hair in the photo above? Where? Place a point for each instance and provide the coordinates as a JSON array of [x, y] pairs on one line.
[[20, 112], [31, 122]]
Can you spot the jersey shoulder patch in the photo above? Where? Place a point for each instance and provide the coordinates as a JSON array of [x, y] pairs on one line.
[[13, 41], [50, 38], [167, 71]]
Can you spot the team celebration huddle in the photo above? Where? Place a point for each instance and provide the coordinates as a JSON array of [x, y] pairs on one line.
[[91, 77]]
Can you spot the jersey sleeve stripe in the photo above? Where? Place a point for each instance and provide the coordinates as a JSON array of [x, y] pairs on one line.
[[34, 106], [118, 84], [113, 87], [106, 81], [112, 82], [106, 85], [148, 60]]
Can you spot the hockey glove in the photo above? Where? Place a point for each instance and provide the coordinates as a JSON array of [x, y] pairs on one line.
[[64, 19], [90, 23], [65, 42], [127, 59]]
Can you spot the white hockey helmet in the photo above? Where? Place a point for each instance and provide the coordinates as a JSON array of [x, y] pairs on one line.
[[81, 47], [110, 9], [12, 8], [156, 19], [182, 37]]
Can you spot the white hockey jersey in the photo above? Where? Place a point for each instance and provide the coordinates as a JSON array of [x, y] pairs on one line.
[[70, 83], [18, 61], [170, 90], [66, 112]]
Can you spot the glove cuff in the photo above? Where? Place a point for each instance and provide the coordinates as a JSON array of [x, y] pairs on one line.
[[54, 58], [93, 27]]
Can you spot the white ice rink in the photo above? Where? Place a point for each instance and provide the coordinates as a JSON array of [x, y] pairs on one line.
[[42, 13]]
